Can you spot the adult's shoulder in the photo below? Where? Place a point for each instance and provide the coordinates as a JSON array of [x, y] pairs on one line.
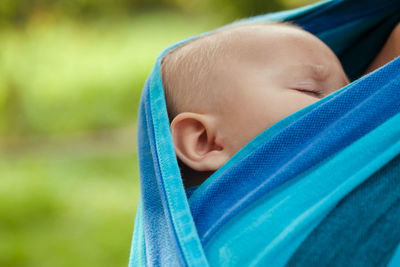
[[390, 50]]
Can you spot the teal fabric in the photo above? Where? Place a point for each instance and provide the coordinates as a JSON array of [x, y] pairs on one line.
[[269, 229], [138, 253], [281, 220], [363, 227], [395, 260]]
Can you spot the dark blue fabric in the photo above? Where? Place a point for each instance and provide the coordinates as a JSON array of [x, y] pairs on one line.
[[190, 190], [318, 135], [373, 40], [169, 233], [363, 230], [343, 12]]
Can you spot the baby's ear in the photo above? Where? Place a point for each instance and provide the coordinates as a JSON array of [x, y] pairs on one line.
[[197, 142]]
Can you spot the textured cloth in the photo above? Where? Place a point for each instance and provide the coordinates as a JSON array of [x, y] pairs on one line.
[[363, 227], [268, 200]]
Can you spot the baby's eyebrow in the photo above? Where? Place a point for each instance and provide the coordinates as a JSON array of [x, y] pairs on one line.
[[318, 71]]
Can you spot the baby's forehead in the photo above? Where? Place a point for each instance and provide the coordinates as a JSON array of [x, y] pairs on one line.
[[238, 38], [257, 42]]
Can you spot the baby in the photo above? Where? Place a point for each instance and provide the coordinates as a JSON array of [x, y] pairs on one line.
[[225, 88]]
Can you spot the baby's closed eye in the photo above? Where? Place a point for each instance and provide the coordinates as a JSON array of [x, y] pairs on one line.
[[310, 87]]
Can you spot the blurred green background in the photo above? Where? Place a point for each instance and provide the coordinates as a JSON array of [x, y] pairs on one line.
[[71, 72]]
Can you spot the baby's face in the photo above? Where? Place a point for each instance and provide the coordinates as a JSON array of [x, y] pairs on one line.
[[269, 74]]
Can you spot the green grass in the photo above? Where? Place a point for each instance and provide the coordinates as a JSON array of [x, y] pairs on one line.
[[63, 204], [63, 211]]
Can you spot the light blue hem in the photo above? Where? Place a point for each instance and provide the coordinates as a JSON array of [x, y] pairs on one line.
[[395, 261], [138, 257]]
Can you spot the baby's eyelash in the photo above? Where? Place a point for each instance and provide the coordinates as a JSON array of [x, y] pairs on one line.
[[308, 86], [313, 92]]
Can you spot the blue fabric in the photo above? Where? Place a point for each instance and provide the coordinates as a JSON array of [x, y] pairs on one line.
[[262, 204], [190, 191], [395, 261], [169, 235], [138, 254], [363, 227], [288, 214]]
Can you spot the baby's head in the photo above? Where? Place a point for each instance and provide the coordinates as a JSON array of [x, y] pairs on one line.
[[225, 88]]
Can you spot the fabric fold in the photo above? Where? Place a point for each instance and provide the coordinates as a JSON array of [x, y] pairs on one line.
[[280, 194]]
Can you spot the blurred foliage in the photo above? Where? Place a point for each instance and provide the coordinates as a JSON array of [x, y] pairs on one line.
[[20, 11], [67, 210]]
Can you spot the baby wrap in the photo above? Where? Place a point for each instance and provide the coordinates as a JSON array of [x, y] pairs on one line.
[[320, 187]]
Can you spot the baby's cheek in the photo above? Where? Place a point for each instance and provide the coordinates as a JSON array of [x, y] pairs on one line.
[[253, 115], [290, 102]]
